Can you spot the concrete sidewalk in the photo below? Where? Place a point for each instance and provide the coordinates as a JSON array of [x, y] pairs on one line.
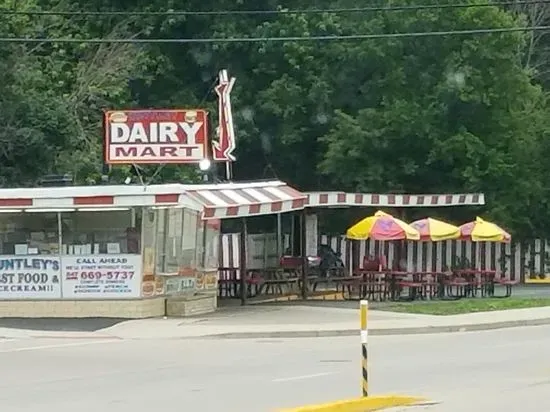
[[297, 321]]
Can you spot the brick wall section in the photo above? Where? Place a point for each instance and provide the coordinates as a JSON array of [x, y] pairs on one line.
[[192, 305], [128, 309]]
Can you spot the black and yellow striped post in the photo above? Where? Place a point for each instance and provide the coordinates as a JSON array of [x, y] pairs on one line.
[[364, 349]]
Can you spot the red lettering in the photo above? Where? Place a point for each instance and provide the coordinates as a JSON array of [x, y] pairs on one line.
[[148, 151], [125, 151], [156, 151], [169, 151]]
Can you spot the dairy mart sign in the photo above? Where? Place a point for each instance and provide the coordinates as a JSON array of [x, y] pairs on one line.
[[30, 277], [155, 136], [101, 276]]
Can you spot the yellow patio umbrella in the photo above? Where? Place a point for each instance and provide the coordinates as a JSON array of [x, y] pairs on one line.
[[382, 226], [482, 231], [435, 230]]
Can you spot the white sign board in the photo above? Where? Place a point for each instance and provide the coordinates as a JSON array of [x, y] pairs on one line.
[[101, 276], [155, 136], [30, 277]]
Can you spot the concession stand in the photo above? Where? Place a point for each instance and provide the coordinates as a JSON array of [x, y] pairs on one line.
[[127, 251]]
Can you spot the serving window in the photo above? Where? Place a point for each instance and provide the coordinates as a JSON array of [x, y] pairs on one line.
[[29, 234], [101, 232], [208, 251], [176, 240], [190, 240]]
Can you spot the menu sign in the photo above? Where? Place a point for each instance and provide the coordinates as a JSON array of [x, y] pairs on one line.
[[101, 276]]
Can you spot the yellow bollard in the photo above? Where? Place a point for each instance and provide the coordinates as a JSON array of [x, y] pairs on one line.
[[364, 352]]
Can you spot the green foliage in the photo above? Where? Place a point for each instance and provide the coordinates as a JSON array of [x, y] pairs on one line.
[[421, 114]]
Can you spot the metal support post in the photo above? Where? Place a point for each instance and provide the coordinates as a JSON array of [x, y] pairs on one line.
[[243, 262], [303, 255], [280, 242], [364, 351], [60, 252]]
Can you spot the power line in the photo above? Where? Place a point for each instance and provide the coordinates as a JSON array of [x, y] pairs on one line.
[[269, 12], [277, 39]]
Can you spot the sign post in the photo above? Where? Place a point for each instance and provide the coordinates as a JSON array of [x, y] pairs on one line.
[[223, 147]]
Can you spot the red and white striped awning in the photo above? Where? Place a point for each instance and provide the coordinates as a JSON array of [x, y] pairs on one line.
[[212, 200], [341, 199], [215, 201], [84, 197], [246, 199]]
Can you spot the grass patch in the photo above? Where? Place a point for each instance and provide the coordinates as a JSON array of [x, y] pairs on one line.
[[461, 306]]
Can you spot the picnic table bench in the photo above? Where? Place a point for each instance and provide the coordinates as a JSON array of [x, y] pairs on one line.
[[374, 285], [277, 279]]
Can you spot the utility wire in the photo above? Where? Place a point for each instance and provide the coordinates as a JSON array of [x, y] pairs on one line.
[[5, 11], [276, 39]]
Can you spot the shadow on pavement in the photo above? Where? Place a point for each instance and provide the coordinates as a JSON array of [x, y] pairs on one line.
[[60, 324]]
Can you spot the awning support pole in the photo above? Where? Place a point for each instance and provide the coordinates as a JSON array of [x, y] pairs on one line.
[[293, 234], [242, 259], [303, 253], [279, 236], [60, 246]]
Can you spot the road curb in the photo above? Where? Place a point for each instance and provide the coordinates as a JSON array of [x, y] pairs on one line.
[[75, 337], [61, 336], [371, 403], [423, 330], [285, 334]]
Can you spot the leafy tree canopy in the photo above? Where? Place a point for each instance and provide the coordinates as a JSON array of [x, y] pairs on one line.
[[442, 114]]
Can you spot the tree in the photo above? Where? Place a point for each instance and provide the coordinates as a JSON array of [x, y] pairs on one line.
[[33, 119], [444, 115], [420, 114], [77, 81]]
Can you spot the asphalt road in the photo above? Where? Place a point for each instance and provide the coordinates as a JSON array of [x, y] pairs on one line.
[[506, 370]]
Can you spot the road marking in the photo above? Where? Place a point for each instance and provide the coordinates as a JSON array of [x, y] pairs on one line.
[[61, 345], [302, 377]]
